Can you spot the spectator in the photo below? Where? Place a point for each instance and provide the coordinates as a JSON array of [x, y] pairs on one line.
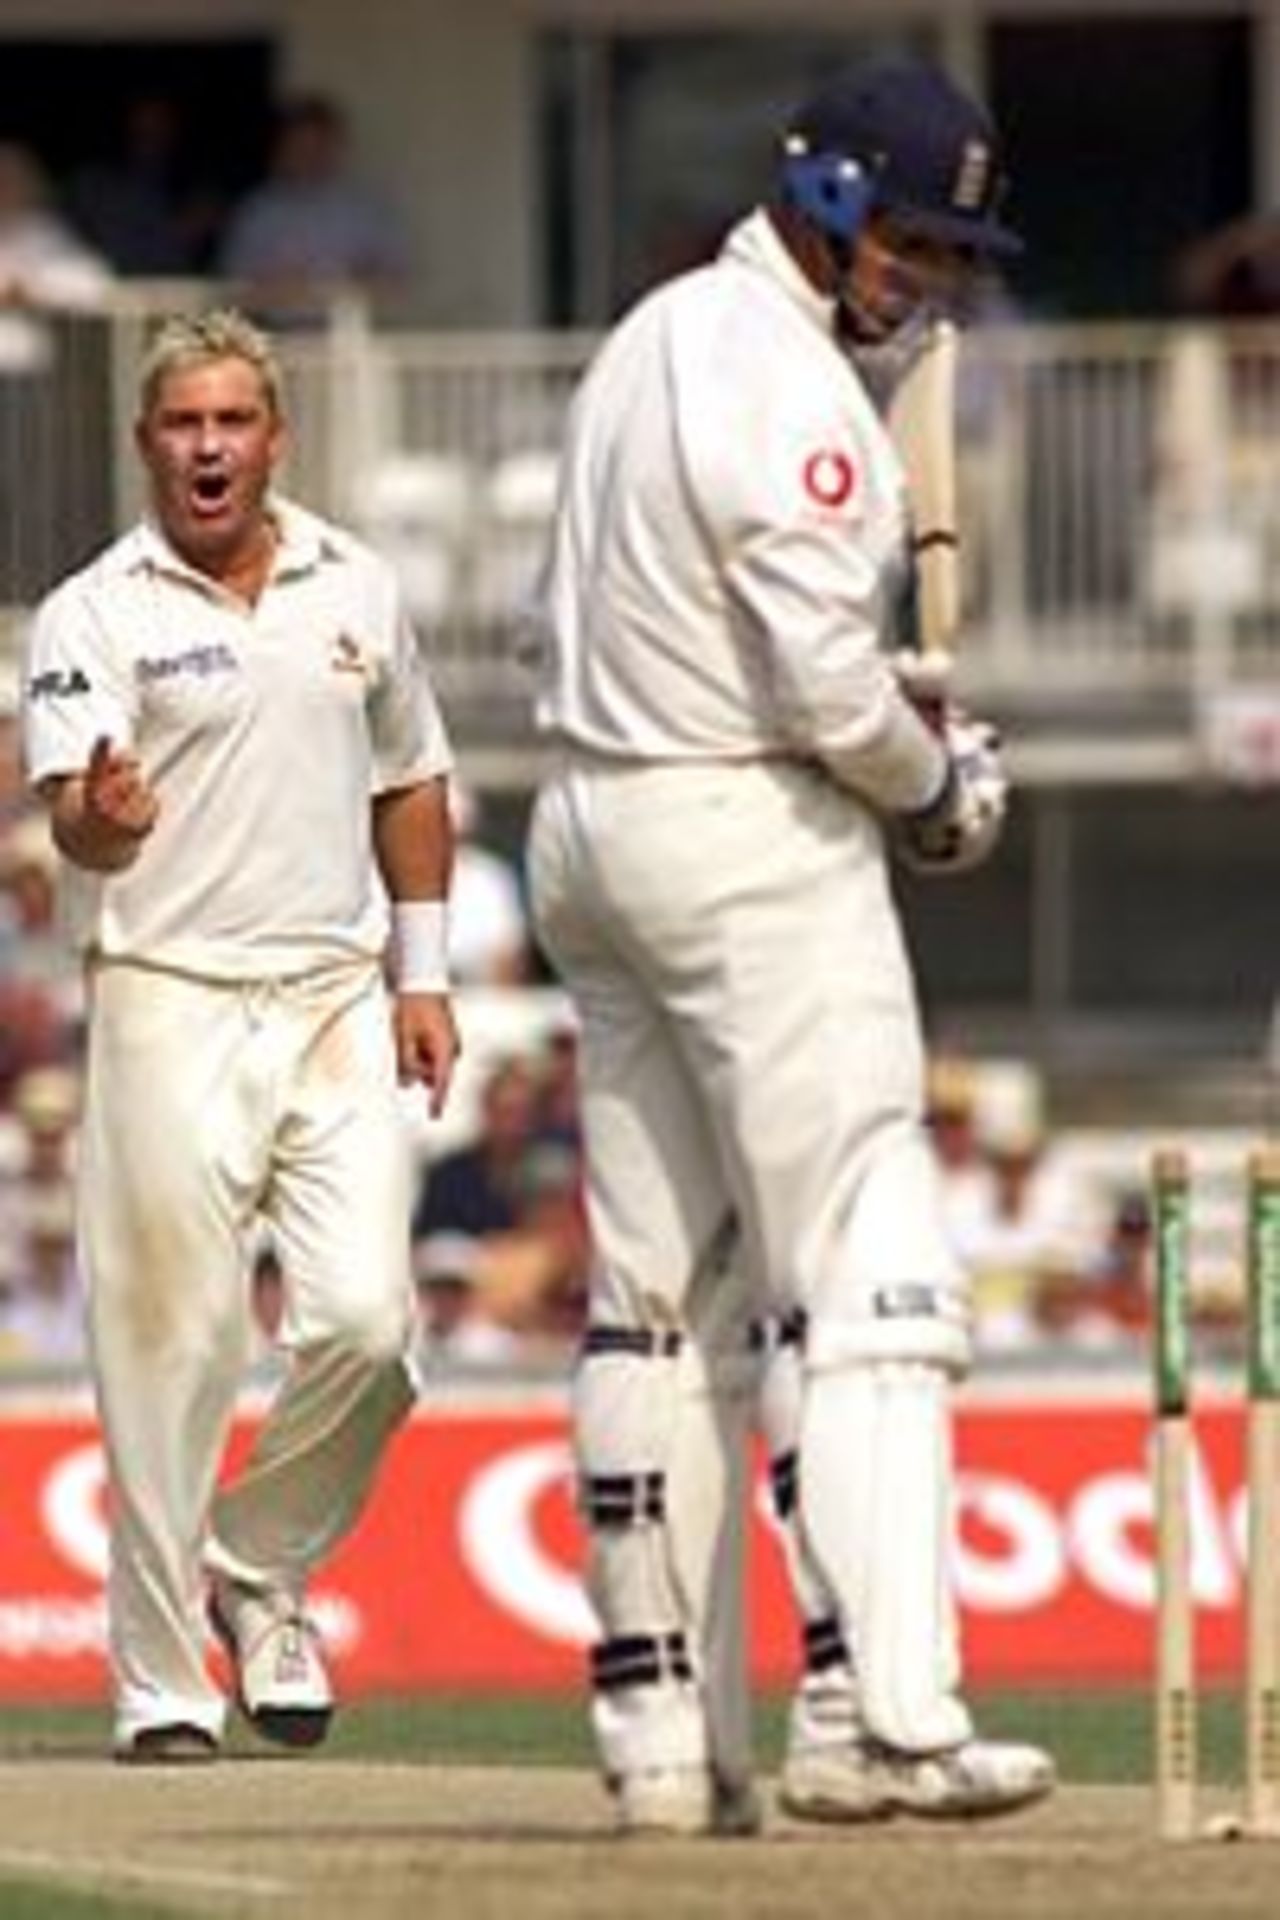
[[311, 230], [1233, 271], [456, 1327], [13, 787], [1107, 1307], [554, 1223], [42, 1320], [33, 1032], [951, 1110], [488, 929], [37, 1143], [1025, 1223], [476, 1189], [559, 1116], [54, 388], [44, 265], [33, 946], [515, 1197], [139, 208]]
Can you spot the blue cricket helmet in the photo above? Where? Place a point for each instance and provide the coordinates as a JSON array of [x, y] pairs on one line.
[[896, 135]]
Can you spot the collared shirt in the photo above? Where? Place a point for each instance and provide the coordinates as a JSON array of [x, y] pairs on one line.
[[730, 541], [266, 731]]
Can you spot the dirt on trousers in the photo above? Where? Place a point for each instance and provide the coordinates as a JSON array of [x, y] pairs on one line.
[[378, 1841]]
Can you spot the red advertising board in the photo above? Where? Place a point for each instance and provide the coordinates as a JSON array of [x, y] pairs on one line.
[[464, 1572]]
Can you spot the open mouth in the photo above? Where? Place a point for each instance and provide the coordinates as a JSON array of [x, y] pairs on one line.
[[210, 492]]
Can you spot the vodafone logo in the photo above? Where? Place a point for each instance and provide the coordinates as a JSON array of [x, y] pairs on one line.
[[829, 477], [73, 1507], [497, 1528], [1053, 1555], [1016, 1549]]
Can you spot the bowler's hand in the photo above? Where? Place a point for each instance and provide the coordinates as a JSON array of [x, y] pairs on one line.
[[101, 817], [117, 795], [427, 1044]]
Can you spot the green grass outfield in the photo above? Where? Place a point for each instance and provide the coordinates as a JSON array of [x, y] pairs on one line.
[[1097, 1738]]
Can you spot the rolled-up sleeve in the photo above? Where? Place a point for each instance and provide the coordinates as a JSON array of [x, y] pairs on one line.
[[410, 741]]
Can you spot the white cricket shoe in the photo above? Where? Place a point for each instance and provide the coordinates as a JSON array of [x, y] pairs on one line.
[[976, 1781], [281, 1682], [834, 1783], [671, 1800]]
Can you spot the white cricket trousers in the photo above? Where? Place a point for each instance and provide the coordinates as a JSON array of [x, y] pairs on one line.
[[750, 1034], [207, 1106]]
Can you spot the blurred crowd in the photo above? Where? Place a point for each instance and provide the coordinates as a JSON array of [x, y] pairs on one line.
[[1061, 1258], [285, 242], [500, 1243], [1058, 1261]]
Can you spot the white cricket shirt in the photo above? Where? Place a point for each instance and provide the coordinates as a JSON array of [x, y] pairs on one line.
[[731, 540], [265, 730]]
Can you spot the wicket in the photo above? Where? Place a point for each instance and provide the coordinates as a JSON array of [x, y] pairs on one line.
[[1175, 1665]]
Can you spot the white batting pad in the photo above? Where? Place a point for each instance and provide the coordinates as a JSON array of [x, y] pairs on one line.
[[875, 1502], [626, 1423], [624, 1409], [708, 1489], [781, 1400]]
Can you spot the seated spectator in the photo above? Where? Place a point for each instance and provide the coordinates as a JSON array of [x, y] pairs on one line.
[[32, 939], [488, 926], [477, 1188], [14, 800], [55, 424], [44, 265], [532, 1278], [1026, 1222], [1233, 271], [456, 1328], [951, 1105], [139, 207], [33, 1031], [515, 1199], [559, 1112], [42, 1321], [311, 230], [46, 1104], [1106, 1307]]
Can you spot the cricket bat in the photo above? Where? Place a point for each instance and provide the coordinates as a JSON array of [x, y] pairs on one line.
[[921, 418]]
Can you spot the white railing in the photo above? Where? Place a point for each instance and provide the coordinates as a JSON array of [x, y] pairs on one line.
[[1120, 490], [1120, 493]]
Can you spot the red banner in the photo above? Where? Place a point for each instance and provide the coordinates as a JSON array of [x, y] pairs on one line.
[[464, 1572]]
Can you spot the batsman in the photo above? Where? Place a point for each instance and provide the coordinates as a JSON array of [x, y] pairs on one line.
[[740, 747]]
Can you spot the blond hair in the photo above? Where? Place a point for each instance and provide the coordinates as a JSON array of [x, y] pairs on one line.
[[192, 340]]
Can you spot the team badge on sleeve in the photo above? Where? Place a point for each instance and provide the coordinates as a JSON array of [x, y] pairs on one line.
[[830, 478]]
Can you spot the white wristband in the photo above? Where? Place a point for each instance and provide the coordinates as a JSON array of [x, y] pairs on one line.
[[421, 948]]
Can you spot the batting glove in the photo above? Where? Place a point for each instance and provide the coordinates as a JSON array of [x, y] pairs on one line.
[[925, 678], [958, 830]]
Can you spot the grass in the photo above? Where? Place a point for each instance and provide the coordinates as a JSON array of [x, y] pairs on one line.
[[1097, 1737], [22, 1900]]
